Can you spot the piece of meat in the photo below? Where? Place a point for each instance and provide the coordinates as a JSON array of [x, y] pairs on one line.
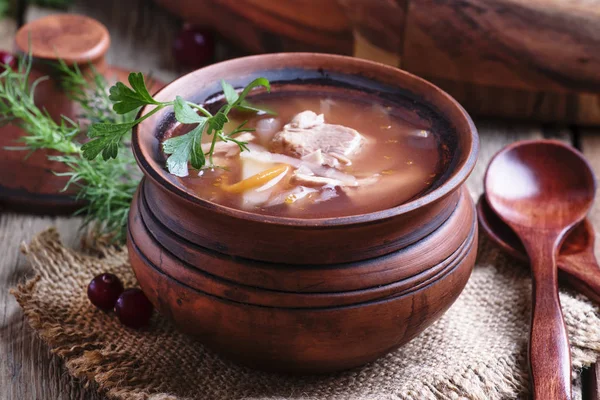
[[308, 133], [314, 181], [306, 120], [305, 177], [317, 157], [259, 153]]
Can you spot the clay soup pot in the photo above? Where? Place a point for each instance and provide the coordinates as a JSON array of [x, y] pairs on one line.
[[305, 295]]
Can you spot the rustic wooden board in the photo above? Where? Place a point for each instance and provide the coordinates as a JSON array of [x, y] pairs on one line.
[[271, 26], [27, 369]]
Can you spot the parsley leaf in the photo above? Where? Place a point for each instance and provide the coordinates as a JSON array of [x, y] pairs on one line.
[[264, 82], [127, 99], [107, 138], [183, 149], [217, 122], [244, 105], [239, 102], [186, 114], [230, 94]]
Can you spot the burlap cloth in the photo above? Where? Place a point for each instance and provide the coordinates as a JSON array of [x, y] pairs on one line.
[[477, 350]]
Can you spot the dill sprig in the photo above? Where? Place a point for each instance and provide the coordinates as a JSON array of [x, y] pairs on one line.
[[106, 188], [17, 107], [89, 91]]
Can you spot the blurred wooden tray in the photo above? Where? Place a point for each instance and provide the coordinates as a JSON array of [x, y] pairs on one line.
[[522, 59]]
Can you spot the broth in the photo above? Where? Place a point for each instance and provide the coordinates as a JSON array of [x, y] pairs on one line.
[[396, 157]]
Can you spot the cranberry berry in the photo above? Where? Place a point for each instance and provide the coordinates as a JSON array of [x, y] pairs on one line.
[[7, 60], [133, 308], [194, 47], [104, 290]]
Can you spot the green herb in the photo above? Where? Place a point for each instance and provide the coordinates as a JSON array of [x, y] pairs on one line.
[[7, 6], [4, 7], [182, 150], [106, 188], [17, 106], [90, 91]]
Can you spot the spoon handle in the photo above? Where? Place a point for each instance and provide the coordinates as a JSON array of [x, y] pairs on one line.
[[549, 352]]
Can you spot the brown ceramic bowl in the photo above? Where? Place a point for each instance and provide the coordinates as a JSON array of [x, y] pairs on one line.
[[309, 295]]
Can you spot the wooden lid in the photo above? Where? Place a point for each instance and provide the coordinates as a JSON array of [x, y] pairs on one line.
[[73, 38]]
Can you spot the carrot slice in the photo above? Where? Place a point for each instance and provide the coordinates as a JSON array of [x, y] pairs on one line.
[[257, 180]]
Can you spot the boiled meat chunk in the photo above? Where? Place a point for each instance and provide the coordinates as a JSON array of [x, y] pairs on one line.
[[305, 177], [308, 133]]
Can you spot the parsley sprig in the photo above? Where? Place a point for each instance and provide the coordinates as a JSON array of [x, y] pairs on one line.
[[182, 150]]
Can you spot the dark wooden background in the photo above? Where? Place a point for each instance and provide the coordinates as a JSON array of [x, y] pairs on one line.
[[141, 39]]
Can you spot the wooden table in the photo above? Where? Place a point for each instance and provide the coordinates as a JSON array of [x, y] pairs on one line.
[[141, 38]]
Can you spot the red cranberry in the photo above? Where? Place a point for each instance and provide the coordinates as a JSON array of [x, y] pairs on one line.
[[7, 59], [104, 290], [194, 47], [133, 308]]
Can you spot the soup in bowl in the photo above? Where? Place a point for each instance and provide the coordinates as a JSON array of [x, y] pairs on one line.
[[400, 186], [334, 229]]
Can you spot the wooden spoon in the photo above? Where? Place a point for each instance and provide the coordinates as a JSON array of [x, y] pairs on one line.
[[577, 263], [542, 189]]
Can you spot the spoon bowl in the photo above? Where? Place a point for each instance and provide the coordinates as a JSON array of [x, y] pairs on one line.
[[579, 240], [540, 184], [541, 190]]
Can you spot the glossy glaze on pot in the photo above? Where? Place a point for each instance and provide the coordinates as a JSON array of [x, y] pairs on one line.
[[315, 241], [323, 338]]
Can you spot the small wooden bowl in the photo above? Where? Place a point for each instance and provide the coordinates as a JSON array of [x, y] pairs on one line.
[[32, 185], [350, 288]]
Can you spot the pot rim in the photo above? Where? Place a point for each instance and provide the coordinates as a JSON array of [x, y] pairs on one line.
[[457, 177]]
